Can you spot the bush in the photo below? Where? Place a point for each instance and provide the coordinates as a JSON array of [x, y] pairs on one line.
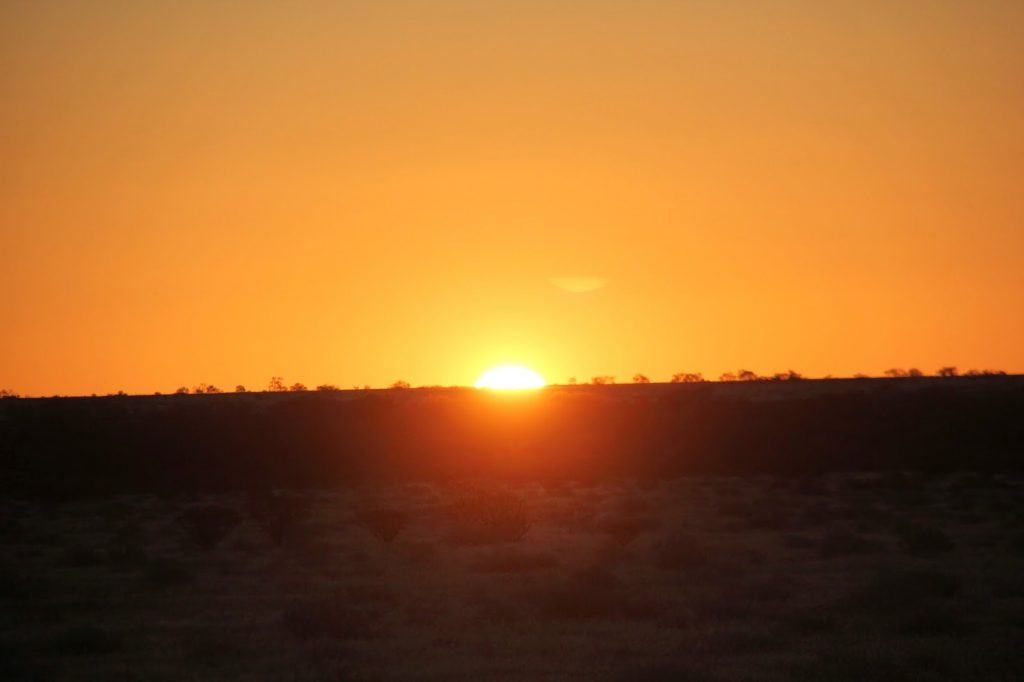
[[206, 526], [487, 515]]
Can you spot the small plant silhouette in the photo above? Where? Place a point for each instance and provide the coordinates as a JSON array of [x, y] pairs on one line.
[[484, 514]]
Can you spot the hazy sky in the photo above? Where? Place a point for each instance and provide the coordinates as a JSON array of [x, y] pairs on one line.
[[362, 192]]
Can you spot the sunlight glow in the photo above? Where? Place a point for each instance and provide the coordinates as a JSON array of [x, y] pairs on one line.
[[510, 378]]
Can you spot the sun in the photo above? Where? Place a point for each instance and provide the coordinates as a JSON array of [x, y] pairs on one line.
[[510, 378]]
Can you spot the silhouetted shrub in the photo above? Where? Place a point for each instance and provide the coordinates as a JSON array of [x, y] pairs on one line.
[[206, 526], [641, 379], [383, 523], [483, 514], [687, 378]]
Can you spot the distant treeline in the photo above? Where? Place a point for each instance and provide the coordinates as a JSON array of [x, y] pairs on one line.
[[68, 447], [278, 385]]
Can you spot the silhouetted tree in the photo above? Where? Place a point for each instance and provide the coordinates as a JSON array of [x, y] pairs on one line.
[[640, 379], [985, 373], [327, 387], [728, 376], [276, 384], [401, 384], [297, 387], [896, 373], [746, 375], [947, 372], [240, 388], [914, 372], [788, 376], [603, 380], [206, 388], [8, 393], [182, 391], [687, 378]]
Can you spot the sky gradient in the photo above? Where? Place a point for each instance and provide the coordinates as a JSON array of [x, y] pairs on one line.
[[357, 193]]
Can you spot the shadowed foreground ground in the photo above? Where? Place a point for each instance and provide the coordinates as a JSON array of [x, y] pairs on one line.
[[844, 577]]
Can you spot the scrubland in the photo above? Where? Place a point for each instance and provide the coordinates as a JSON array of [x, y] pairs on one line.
[[881, 576]]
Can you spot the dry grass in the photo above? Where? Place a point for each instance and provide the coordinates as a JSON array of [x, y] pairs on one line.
[[839, 578]]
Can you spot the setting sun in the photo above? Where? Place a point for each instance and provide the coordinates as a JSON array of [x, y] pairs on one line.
[[510, 378]]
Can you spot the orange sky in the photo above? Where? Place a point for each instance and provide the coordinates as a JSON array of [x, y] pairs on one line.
[[207, 191]]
